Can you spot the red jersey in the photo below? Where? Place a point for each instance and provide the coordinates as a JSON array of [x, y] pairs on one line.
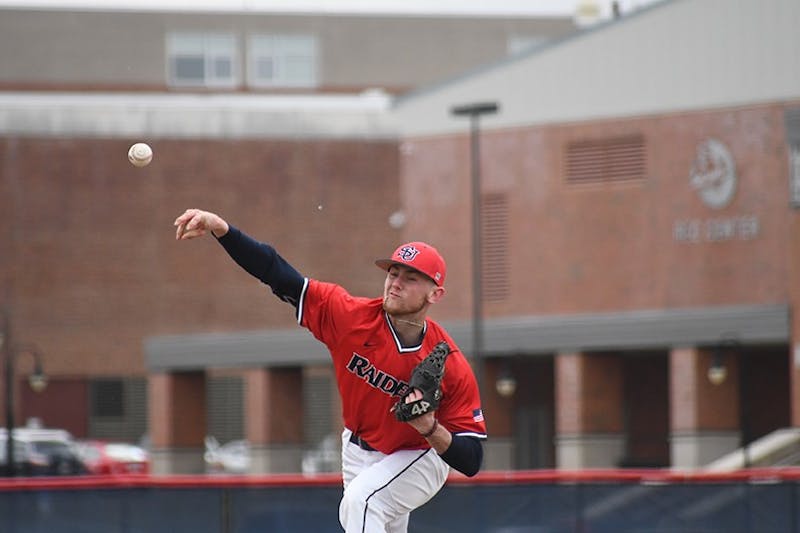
[[373, 368]]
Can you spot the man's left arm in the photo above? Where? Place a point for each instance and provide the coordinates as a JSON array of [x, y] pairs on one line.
[[464, 453]]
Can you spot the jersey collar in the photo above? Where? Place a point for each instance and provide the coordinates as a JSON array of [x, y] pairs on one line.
[[400, 347]]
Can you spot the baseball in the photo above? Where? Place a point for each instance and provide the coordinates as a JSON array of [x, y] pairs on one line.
[[140, 155]]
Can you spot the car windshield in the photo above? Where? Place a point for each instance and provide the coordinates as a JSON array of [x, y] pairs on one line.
[[50, 447]]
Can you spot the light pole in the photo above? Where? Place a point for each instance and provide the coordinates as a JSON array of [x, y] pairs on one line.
[[37, 380], [474, 112]]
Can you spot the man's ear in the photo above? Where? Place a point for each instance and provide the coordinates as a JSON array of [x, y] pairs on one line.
[[435, 294]]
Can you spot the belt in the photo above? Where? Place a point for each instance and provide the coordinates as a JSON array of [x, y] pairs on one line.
[[361, 443]]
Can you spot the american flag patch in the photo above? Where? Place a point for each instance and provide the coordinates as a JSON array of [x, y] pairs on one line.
[[477, 415]]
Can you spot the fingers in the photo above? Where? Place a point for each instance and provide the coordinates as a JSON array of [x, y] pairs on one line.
[[191, 234], [183, 218], [413, 396], [190, 224]]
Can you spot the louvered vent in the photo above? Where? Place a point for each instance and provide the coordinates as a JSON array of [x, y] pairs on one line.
[[118, 409], [792, 120], [225, 408], [317, 391], [495, 235], [606, 160]]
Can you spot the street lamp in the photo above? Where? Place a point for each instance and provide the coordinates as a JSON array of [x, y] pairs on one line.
[[474, 112], [506, 383], [37, 381]]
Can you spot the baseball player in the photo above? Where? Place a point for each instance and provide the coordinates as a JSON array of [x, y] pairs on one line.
[[399, 440]]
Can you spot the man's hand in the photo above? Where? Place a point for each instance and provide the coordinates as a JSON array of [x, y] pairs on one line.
[[423, 423], [196, 223], [439, 438]]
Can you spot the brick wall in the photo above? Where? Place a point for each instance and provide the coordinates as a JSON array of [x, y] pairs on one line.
[[88, 261], [606, 247]]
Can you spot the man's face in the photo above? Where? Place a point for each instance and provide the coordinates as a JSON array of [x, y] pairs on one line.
[[406, 291]]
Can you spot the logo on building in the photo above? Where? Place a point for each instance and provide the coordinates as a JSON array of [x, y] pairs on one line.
[[713, 174]]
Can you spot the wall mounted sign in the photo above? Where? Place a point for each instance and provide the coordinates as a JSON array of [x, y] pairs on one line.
[[713, 177], [713, 174]]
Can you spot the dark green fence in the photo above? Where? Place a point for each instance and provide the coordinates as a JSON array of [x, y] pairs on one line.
[[763, 501]]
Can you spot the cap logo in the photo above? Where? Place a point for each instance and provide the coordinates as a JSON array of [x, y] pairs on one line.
[[408, 253]]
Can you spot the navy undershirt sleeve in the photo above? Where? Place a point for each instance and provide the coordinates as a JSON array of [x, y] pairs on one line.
[[263, 262], [465, 454]]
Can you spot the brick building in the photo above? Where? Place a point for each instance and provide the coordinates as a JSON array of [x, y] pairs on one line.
[[638, 190], [277, 119], [642, 178]]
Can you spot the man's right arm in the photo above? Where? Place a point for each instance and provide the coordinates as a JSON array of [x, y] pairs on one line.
[[259, 259], [262, 261]]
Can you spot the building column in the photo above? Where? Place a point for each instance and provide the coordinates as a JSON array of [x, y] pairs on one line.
[[589, 422], [177, 411], [704, 417], [274, 419]]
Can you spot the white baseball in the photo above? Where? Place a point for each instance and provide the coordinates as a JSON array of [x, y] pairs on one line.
[[140, 155]]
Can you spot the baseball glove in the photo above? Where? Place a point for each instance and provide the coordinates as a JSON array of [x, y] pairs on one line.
[[426, 378]]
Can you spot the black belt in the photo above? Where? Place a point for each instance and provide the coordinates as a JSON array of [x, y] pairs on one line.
[[361, 443]]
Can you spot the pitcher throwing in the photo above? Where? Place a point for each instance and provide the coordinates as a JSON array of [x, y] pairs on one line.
[[399, 440]]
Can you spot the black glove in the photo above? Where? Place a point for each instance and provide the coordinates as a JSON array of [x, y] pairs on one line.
[[426, 378]]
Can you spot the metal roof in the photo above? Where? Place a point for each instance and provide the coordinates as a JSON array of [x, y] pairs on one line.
[[675, 56], [520, 335]]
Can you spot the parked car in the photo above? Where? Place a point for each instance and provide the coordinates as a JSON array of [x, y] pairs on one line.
[[43, 452], [23, 464], [230, 458], [102, 457]]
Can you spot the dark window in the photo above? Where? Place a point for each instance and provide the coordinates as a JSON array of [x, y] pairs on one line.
[[108, 397]]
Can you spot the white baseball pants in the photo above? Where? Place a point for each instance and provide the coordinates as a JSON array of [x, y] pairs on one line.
[[380, 491]]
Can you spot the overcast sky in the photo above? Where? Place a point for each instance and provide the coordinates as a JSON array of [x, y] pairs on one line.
[[486, 7]]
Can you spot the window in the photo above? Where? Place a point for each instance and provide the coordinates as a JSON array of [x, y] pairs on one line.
[[282, 61], [225, 408], [108, 398], [118, 408], [202, 60]]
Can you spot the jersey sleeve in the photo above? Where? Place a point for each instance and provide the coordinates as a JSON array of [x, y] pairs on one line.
[[460, 410], [262, 261], [323, 309]]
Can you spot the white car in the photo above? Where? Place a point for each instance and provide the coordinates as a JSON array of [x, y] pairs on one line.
[[43, 452]]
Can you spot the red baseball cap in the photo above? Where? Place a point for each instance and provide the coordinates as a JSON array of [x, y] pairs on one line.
[[421, 257]]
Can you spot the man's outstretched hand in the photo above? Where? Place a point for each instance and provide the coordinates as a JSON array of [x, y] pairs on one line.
[[196, 223]]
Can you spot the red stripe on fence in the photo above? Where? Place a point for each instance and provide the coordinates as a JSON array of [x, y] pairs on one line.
[[510, 477]]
